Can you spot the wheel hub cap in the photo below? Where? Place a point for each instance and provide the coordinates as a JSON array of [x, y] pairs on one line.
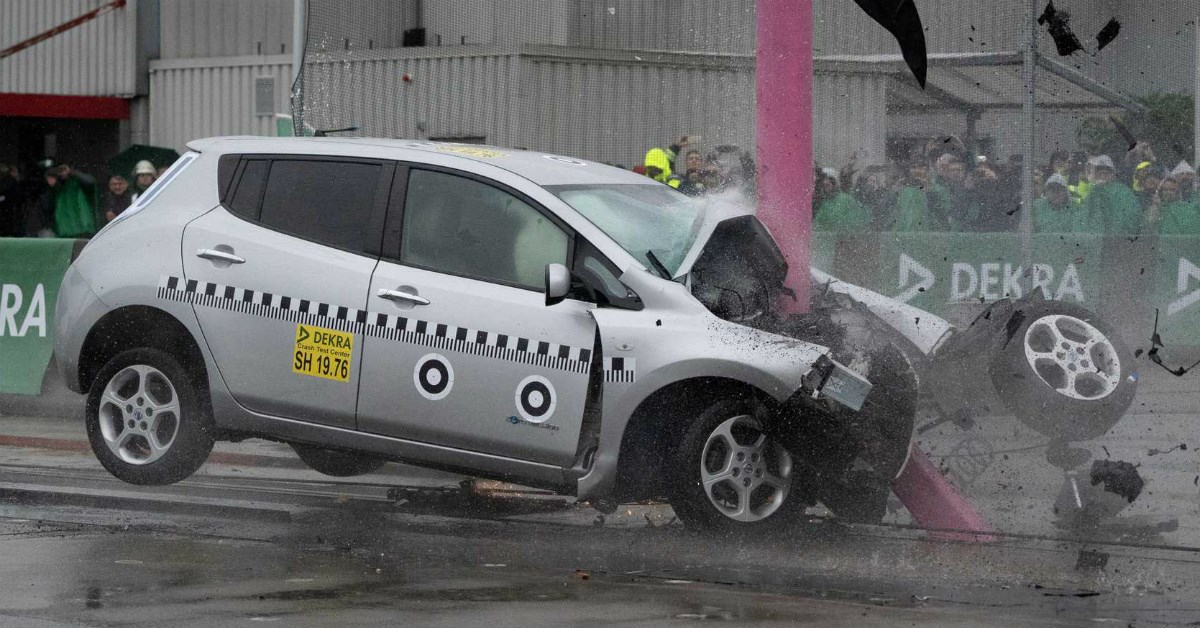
[[139, 414], [745, 474], [1072, 357]]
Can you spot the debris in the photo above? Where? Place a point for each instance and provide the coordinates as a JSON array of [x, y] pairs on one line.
[[1157, 452], [581, 574], [1119, 478]]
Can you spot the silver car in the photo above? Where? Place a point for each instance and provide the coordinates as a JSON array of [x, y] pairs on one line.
[[506, 314]]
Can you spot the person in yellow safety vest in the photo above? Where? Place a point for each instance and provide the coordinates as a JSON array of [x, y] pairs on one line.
[[658, 167]]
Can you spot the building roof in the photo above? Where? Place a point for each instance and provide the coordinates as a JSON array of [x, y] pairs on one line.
[[980, 81]]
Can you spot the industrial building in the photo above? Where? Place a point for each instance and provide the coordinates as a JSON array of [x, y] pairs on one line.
[[604, 79]]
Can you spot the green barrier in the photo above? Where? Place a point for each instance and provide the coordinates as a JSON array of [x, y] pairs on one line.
[[31, 270], [954, 274], [1177, 289]]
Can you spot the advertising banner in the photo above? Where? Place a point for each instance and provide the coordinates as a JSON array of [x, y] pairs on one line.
[[31, 270]]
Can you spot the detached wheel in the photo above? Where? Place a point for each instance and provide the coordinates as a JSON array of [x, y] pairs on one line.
[[337, 463], [146, 420], [1063, 372], [731, 476]]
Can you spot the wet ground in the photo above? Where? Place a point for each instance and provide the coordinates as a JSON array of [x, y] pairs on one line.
[[256, 538]]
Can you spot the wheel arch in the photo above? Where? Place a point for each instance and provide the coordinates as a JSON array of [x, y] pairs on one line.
[[140, 326], [660, 421]]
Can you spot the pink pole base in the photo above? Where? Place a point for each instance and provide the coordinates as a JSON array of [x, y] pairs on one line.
[[937, 505]]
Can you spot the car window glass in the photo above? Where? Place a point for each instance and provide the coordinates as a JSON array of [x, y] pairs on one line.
[[247, 199], [326, 201], [461, 226]]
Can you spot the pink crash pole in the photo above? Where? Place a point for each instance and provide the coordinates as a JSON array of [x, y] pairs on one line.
[[784, 134], [784, 137]]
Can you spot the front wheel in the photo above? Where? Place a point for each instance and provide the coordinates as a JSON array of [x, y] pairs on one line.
[[729, 475], [1063, 372], [146, 420]]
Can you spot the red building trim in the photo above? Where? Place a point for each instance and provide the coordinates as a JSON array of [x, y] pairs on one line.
[[51, 106]]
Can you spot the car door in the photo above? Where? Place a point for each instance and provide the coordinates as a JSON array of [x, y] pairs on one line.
[[278, 276], [461, 349]]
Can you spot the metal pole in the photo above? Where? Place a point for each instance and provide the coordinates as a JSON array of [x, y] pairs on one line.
[[299, 28], [1196, 97], [784, 133], [1029, 70]]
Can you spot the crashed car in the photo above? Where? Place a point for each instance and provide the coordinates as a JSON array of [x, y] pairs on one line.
[[506, 314]]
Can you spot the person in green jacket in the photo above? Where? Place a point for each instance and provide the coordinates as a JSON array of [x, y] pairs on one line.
[[837, 210], [73, 201], [914, 212], [1056, 211], [1111, 207], [1174, 214]]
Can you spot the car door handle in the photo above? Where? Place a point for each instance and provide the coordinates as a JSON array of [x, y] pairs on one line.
[[396, 295], [220, 255]]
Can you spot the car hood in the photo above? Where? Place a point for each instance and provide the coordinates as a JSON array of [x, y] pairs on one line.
[[731, 232]]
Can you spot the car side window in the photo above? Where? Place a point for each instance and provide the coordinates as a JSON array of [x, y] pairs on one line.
[[460, 226], [325, 201], [246, 200]]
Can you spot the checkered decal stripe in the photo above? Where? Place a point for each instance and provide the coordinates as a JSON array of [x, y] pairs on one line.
[[378, 324], [620, 370]]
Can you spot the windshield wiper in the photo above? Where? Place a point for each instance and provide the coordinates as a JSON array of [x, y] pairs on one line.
[[659, 267]]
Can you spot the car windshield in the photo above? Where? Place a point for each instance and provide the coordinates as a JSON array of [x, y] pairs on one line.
[[641, 218]]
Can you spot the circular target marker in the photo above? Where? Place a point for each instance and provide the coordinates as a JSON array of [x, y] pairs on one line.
[[536, 399], [433, 376]]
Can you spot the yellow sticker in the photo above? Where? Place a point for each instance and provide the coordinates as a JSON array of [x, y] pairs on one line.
[[472, 151], [322, 352]]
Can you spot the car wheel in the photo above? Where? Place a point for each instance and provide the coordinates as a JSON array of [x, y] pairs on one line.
[[146, 419], [1063, 372], [729, 475], [337, 463]]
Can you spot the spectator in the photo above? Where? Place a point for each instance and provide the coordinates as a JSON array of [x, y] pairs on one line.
[[950, 197], [1146, 179], [1111, 207], [1185, 175], [118, 198], [838, 210], [913, 211], [871, 189], [144, 175], [1174, 214], [1057, 211], [12, 219], [698, 175], [658, 167], [72, 197], [994, 205]]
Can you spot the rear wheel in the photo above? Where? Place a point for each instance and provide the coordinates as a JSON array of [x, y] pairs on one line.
[[729, 475], [337, 463], [146, 420]]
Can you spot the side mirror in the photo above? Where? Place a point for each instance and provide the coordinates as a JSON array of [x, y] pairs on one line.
[[558, 283]]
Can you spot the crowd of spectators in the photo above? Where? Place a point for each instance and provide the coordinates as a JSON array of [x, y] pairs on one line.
[[52, 199], [942, 187]]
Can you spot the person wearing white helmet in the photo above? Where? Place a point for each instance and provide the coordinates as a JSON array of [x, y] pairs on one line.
[[1111, 207], [144, 175]]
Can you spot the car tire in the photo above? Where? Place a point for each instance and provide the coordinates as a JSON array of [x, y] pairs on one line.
[[147, 420], [1062, 371], [338, 464], [729, 476]]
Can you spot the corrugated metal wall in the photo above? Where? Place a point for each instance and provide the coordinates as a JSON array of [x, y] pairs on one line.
[[451, 94], [614, 111], [94, 59], [225, 28], [849, 116], [676, 25], [206, 97]]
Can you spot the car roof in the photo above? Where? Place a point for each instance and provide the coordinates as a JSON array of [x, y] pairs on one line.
[[539, 167]]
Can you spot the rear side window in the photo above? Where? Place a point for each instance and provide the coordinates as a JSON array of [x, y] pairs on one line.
[[247, 199], [325, 201]]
